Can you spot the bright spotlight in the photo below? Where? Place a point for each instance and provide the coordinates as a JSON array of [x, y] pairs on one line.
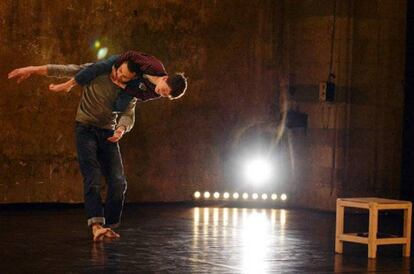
[[283, 197], [245, 196], [264, 196], [255, 196], [206, 195], [235, 195], [226, 195], [102, 52], [258, 170], [274, 196], [216, 195], [197, 194]]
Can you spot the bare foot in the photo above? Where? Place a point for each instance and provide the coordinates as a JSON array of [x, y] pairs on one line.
[[111, 234], [98, 233]]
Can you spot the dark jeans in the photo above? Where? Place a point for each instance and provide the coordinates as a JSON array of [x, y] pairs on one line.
[[98, 157]]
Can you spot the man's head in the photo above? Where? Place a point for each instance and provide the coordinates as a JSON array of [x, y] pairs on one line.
[[126, 71], [178, 85], [172, 87]]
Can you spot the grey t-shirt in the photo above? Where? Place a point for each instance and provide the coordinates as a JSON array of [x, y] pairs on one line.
[[98, 97]]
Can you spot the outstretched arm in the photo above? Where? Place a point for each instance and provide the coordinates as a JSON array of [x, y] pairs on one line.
[[21, 74], [85, 76], [60, 71]]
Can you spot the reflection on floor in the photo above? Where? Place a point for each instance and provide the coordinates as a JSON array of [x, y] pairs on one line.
[[180, 239]]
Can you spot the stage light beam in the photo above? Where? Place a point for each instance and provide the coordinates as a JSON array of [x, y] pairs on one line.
[[258, 170]]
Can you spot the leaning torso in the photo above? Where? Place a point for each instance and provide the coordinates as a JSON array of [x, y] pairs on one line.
[[96, 103]]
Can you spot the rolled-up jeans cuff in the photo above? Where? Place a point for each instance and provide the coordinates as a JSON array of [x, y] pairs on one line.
[[93, 220]]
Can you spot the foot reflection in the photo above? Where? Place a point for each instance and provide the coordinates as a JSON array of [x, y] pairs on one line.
[[98, 253]]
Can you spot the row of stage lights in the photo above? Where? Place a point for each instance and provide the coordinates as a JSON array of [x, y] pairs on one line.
[[235, 196]]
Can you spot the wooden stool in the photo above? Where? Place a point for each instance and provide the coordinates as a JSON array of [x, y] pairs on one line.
[[373, 205]]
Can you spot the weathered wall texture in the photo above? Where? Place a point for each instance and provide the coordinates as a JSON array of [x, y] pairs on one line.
[[227, 48], [353, 146], [235, 53]]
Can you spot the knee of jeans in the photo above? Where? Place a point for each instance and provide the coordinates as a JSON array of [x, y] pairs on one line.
[[92, 188], [91, 178], [91, 174], [118, 192], [118, 179], [121, 187]]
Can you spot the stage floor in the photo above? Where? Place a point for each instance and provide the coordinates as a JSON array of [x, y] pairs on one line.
[[185, 239]]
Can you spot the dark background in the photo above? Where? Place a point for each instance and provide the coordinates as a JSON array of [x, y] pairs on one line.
[[408, 151], [247, 62]]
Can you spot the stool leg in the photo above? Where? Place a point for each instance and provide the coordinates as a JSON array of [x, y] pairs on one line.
[[407, 232], [340, 212], [373, 229]]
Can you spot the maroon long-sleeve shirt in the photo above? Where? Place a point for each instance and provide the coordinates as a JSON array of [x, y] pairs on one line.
[[141, 87]]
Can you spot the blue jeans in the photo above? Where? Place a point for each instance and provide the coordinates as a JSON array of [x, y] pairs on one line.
[[98, 157]]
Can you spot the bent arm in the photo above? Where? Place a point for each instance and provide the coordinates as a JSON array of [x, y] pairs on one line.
[[63, 87], [64, 71], [127, 118], [86, 75]]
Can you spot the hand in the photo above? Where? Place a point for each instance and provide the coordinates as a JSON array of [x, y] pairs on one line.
[[118, 133], [63, 87], [21, 73]]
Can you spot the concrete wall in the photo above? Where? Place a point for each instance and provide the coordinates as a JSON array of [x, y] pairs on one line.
[[354, 143], [227, 49], [235, 54]]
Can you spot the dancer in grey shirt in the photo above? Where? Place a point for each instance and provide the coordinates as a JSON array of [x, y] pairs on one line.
[[98, 130]]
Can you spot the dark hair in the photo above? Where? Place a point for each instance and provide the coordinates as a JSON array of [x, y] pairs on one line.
[[178, 85], [133, 67]]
